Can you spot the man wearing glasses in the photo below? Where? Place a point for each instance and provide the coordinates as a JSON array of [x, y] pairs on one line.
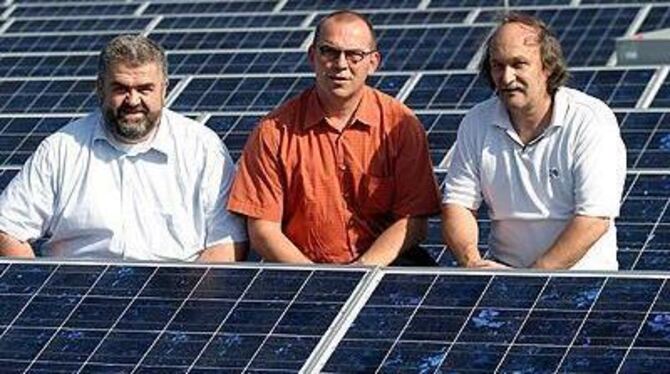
[[341, 173]]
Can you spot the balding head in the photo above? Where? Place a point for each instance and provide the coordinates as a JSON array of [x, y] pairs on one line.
[[345, 16]]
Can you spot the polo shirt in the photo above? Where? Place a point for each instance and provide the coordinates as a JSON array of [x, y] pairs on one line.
[[334, 191], [577, 166], [93, 198]]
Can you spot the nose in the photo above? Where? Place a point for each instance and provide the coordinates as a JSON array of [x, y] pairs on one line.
[[341, 60], [132, 98], [508, 76]]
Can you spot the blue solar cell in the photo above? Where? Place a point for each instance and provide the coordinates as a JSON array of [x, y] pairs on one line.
[[73, 10], [209, 7], [78, 24], [417, 17], [658, 18], [53, 43], [175, 40], [230, 21], [349, 4]]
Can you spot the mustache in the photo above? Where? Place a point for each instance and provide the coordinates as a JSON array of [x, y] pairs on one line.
[[127, 109]]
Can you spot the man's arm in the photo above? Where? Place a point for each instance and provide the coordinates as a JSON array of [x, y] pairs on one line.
[[269, 241], [460, 232], [397, 238], [12, 247], [228, 252], [572, 244]]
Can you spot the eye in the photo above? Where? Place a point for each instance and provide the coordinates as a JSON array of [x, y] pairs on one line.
[[329, 52], [355, 55]]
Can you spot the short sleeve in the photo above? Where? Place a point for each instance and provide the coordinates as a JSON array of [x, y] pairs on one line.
[[26, 205], [257, 191], [462, 184], [599, 167], [416, 190], [222, 226]]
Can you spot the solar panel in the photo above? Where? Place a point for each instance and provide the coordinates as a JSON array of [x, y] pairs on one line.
[[143, 317], [417, 17], [230, 21], [54, 42], [493, 3], [72, 10], [62, 65], [415, 321], [349, 4], [587, 34], [117, 24], [240, 62], [176, 40], [210, 7]]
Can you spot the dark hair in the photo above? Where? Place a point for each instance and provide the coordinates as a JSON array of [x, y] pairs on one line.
[[550, 51], [132, 50], [345, 13]]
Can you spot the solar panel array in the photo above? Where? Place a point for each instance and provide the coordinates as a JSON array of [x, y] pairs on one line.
[[233, 61], [122, 318], [230, 62]]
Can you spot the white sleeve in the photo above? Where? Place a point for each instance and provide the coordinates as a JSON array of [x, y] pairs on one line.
[[599, 167], [26, 205], [222, 226], [462, 183]]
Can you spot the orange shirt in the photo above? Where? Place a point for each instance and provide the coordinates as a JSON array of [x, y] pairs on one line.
[[336, 191]]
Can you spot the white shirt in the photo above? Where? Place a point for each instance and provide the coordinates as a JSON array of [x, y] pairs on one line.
[[95, 199], [576, 167]]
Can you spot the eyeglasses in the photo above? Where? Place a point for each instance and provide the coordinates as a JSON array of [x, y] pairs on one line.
[[353, 56]]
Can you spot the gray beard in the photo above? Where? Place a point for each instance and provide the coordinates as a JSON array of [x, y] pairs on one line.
[[130, 131]]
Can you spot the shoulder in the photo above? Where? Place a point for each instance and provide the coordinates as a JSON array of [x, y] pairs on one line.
[[584, 108], [481, 116], [289, 113], [76, 134]]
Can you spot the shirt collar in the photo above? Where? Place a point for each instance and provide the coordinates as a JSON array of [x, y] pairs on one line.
[[559, 112], [367, 112], [160, 141]]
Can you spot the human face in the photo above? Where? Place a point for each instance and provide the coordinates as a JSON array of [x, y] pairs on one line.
[[340, 77], [516, 69], [132, 98]]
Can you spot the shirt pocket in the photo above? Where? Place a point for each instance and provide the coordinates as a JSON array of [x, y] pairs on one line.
[[377, 194]]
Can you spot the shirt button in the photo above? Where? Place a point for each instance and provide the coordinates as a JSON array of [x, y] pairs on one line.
[[343, 167]]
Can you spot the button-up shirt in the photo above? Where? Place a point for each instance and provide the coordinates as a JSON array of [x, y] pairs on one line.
[[94, 198]]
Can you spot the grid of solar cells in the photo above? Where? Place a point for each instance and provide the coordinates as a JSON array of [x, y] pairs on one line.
[[647, 138], [468, 322], [644, 223], [662, 98], [17, 66], [349, 4], [20, 136], [429, 48], [125, 318], [492, 3], [54, 42], [620, 88], [117, 24], [240, 62], [73, 10], [173, 40], [414, 18], [47, 96], [658, 18], [234, 130], [211, 7], [587, 34], [230, 21], [441, 129], [257, 93]]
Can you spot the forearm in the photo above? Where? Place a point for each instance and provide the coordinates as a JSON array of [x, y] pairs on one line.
[[229, 252], [270, 242], [12, 247], [400, 236], [460, 233], [572, 244]]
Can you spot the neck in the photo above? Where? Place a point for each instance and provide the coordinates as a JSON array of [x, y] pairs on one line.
[[529, 123], [339, 111]]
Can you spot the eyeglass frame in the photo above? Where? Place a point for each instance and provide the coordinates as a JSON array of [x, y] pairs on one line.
[[353, 56]]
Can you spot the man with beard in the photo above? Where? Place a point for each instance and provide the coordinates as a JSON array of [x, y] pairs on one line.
[[341, 173], [547, 160], [132, 180]]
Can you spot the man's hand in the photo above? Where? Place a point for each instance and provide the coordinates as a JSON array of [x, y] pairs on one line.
[[486, 264]]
